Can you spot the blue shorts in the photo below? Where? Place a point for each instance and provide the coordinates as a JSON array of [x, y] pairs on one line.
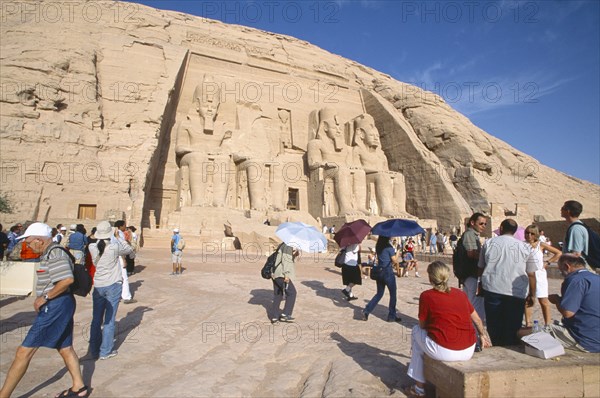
[[53, 326]]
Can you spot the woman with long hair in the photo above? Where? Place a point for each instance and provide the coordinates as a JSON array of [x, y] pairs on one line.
[[386, 257], [532, 236], [445, 331], [108, 281]]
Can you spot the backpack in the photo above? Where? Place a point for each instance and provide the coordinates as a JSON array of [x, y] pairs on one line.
[[82, 280], [593, 257], [180, 244], [267, 270], [462, 265]]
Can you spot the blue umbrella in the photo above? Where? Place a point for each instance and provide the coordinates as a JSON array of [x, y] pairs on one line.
[[397, 227], [302, 236]]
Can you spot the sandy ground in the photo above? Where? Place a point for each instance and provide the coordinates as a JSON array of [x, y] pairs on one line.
[[207, 333]]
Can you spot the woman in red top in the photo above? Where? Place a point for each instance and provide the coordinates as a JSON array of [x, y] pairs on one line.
[[445, 331]]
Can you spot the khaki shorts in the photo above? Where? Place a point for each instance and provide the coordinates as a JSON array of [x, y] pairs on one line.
[[176, 256], [561, 334]]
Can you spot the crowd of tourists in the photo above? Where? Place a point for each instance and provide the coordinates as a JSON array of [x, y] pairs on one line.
[[107, 254], [500, 278]]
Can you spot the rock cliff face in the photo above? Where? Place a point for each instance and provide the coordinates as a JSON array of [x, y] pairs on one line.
[[94, 97]]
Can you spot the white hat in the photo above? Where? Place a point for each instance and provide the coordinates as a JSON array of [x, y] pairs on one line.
[[176, 230], [73, 227], [63, 228], [37, 229], [103, 230]]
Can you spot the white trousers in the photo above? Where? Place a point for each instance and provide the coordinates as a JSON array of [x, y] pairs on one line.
[[421, 344], [470, 289], [125, 293]]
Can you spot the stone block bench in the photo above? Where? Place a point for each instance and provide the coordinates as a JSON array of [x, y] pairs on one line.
[[509, 372]]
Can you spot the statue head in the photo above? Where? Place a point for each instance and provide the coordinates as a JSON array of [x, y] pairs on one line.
[[364, 127], [328, 124], [207, 97]]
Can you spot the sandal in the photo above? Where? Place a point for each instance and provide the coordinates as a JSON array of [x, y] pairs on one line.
[[68, 393], [411, 392]]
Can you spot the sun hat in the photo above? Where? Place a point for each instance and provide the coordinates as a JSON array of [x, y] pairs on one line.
[[103, 230], [37, 229], [176, 230]]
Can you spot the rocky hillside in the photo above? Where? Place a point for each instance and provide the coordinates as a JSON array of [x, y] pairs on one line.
[[84, 111]]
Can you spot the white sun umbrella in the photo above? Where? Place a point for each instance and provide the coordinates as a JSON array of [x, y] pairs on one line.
[[302, 236]]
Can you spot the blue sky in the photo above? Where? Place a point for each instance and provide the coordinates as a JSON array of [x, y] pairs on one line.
[[527, 72]]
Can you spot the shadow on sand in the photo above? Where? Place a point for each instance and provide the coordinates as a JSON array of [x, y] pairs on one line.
[[379, 363]]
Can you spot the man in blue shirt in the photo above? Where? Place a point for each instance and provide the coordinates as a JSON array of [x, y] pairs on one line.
[[576, 239], [579, 305], [78, 243]]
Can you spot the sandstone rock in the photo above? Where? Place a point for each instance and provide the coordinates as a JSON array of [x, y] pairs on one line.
[[91, 111]]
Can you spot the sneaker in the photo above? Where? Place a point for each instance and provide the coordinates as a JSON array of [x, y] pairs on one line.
[[274, 320], [394, 319], [417, 275], [346, 293], [365, 316], [285, 318], [172, 273], [547, 329], [411, 391], [130, 301], [110, 355], [351, 298]]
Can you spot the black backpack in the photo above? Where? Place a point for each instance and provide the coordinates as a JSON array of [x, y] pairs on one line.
[[267, 270], [82, 284], [593, 257], [462, 265]]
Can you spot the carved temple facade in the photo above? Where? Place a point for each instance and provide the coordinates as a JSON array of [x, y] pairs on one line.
[[254, 141]]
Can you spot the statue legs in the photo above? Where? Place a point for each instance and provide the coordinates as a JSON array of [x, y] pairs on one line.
[[256, 177], [383, 192], [360, 191], [204, 170], [196, 182], [342, 188]]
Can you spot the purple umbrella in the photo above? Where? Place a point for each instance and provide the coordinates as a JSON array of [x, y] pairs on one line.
[[352, 233]]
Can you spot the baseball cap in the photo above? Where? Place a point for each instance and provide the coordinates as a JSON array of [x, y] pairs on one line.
[[37, 229], [176, 230], [73, 227], [63, 228]]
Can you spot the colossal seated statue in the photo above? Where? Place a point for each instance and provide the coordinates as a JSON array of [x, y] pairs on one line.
[[389, 186], [330, 152], [202, 150]]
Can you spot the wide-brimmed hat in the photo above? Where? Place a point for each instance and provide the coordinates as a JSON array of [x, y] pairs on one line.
[[103, 230], [37, 229]]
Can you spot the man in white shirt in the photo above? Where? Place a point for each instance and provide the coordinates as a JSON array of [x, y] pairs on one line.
[[504, 266]]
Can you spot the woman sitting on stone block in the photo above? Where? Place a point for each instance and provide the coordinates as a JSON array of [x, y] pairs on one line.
[[445, 331]]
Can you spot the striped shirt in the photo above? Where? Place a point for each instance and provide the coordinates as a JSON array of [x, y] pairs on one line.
[[55, 265]]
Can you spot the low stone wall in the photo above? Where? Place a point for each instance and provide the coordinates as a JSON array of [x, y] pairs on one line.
[[509, 372], [17, 277]]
